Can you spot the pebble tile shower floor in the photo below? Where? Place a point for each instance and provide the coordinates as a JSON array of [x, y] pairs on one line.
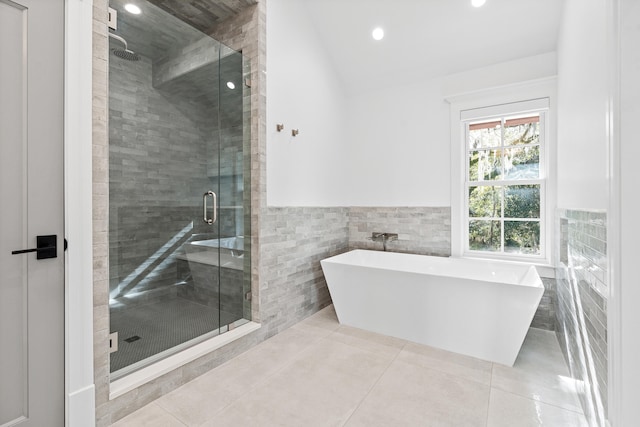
[[320, 373], [146, 330]]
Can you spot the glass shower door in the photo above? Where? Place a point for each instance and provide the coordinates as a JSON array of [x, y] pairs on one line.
[[179, 162], [233, 162], [217, 252]]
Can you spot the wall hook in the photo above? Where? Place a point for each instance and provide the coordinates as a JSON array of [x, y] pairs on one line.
[[294, 132], [279, 127]]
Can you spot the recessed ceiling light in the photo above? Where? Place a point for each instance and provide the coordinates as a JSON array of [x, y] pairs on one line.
[[378, 34], [230, 85], [478, 3], [132, 8]]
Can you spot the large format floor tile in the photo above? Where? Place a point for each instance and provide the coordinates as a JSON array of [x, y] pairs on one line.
[[539, 373], [322, 387], [320, 373], [509, 410], [412, 395], [199, 400], [452, 363], [150, 415]]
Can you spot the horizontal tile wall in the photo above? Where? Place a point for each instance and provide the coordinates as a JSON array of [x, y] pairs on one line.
[[581, 319], [155, 183], [545, 317], [421, 230], [293, 241]]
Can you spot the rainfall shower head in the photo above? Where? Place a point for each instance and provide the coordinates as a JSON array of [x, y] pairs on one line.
[[125, 53]]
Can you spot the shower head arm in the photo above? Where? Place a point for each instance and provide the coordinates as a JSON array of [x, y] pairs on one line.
[[120, 39]]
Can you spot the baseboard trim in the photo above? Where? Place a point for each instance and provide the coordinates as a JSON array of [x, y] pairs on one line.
[[80, 407]]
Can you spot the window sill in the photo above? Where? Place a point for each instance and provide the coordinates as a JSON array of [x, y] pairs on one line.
[[545, 269]]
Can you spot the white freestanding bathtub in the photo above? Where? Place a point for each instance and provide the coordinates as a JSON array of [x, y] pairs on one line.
[[475, 307]]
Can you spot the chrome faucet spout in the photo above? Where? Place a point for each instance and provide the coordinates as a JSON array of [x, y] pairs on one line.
[[384, 238]]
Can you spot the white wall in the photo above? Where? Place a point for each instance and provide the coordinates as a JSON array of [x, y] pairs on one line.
[[399, 146], [583, 179], [625, 224], [503, 74], [382, 148], [303, 92], [400, 137]]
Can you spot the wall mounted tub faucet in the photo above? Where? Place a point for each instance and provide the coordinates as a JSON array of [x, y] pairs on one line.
[[384, 238]]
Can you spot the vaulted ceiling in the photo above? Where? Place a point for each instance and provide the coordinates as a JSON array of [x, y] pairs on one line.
[[429, 38]]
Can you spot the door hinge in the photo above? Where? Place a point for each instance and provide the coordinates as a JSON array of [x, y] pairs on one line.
[[247, 82], [113, 342], [247, 296], [113, 19]]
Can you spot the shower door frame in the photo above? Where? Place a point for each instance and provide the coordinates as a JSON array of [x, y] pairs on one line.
[[131, 376]]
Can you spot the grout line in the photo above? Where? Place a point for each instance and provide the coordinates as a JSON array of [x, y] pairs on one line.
[[490, 389], [374, 385], [545, 401], [350, 344], [491, 376], [149, 405], [170, 414], [270, 376], [542, 402]]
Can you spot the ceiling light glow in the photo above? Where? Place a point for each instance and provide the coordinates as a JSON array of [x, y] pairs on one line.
[[132, 8], [378, 34], [478, 3], [230, 85]]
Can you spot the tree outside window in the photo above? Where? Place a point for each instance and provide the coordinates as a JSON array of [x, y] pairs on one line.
[[504, 184]]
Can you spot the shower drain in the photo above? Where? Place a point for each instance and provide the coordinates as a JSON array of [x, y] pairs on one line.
[[132, 339]]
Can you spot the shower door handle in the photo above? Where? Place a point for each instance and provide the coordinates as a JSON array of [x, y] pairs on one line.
[[215, 207]]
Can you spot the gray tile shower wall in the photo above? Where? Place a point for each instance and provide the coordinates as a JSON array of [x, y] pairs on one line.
[[155, 135], [581, 318], [212, 286], [421, 230], [144, 243], [185, 59], [152, 140]]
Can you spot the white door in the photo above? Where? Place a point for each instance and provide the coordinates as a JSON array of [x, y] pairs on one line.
[[31, 204]]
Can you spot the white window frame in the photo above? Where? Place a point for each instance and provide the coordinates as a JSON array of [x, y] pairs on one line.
[[537, 107], [533, 96]]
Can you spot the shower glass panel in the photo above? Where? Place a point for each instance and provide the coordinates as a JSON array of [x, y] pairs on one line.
[[179, 164]]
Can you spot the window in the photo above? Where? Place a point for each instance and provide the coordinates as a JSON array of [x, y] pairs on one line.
[[505, 184], [503, 172]]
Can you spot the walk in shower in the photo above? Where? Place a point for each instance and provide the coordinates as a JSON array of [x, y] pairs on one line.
[[179, 202]]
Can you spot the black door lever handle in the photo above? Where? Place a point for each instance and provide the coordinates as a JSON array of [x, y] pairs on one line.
[[25, 251], [46, 247]]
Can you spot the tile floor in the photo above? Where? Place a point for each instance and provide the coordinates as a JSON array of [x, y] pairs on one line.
[[319, 373]]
